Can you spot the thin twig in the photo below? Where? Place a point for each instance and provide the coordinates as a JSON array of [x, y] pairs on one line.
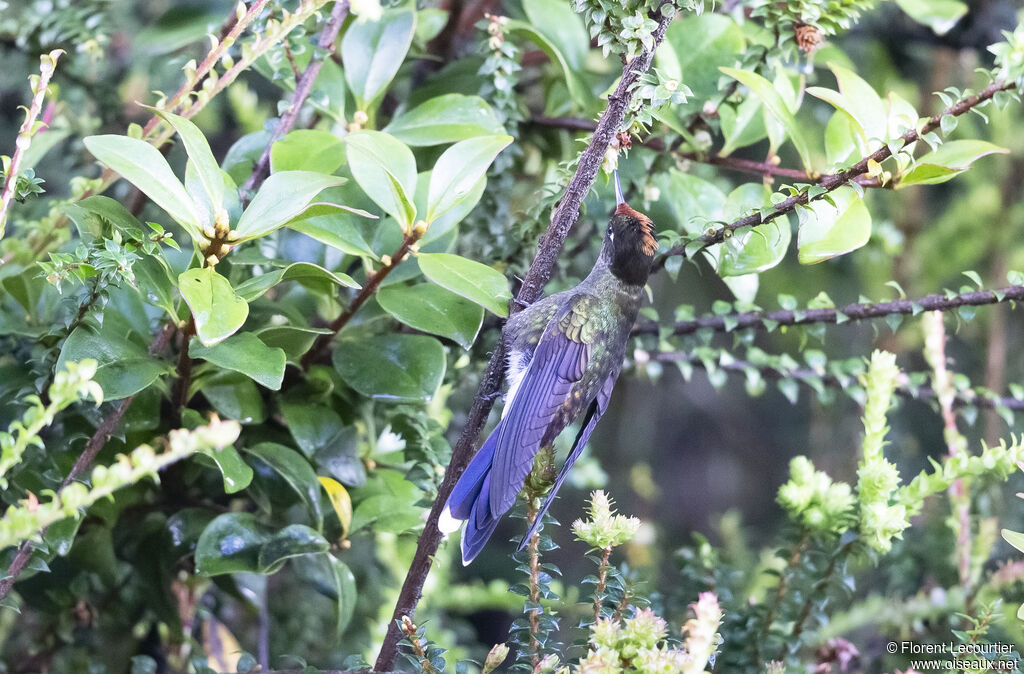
[[963, 398], [47, 64], [237, 25], [833, 182], [602, 581], [303, 87], [85, 459], [851, 312], [550, 246]]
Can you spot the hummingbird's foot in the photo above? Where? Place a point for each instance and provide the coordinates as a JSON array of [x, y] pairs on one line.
[[521, 304], [491, 397]]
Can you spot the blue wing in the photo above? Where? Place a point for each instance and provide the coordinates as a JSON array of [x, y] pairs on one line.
[[542, 406], [594, 413]]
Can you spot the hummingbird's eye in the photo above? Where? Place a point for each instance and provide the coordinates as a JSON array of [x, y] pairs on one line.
[[611, 234]]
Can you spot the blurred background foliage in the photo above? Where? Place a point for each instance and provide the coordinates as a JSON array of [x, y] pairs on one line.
[[292, 546]]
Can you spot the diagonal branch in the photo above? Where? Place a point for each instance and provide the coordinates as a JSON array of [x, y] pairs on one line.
[[851, 312], [811, 376], [832, 182], [303, 87], [565, 215]]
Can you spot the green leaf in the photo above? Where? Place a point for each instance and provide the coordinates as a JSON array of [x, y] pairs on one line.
[[694, 48], [295, 470], [392, 368], [939, 15], [124, 367], [199, 153], [217, 311], [827, 231], [247, 354], [1014, 538], [765, 90], [142, 165], [307, 150], [742, 125], [239, 542], [283, 196], [563, 27], [295, 340], [233, 395], [476, 282], [345, 587], [236, 473], [295, 540], [256, 286], [334, 228], [577, 90], [859, 100], [754, 249], [433, 309], [844, 140], [372, 52], [949, 160], [458, 171], [154, 282], [386, 170], [445, 119]]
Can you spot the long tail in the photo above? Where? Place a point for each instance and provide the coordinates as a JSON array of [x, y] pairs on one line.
[[470, 502]]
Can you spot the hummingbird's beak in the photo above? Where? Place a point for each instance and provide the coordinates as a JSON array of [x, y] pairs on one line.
[[618, 189]]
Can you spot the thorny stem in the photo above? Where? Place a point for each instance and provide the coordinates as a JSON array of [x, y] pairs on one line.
[[550, 247], [533, 549], [85, 459], [602, 580], [904, 390], [303, 87], [781, 591], [805, 610], [409, 628], [832, 182], [959, 495], [47, 64], [851, 312]]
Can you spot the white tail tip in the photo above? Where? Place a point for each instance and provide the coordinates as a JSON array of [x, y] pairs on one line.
[[448, 524]]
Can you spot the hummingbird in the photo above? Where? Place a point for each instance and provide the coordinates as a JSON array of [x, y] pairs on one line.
[[565, 352]]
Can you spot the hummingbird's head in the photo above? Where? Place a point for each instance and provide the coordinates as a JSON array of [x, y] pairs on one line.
[[630, 243]]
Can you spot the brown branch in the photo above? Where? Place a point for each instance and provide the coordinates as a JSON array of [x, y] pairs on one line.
[[303, 87], [323, 342], [103, 432], [550, 247], [832, 182], [964, 398], [761, 168], [851, 312], [230, 32]]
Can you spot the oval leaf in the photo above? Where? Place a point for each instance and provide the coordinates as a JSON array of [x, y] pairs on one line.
[[283, 196], [458, 170], [372, 52], [392, 368], [476, 282], [445, 119], [386, 170], [217, 311], [827, 231], [142, 165], [433, 309], [247, 354]]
